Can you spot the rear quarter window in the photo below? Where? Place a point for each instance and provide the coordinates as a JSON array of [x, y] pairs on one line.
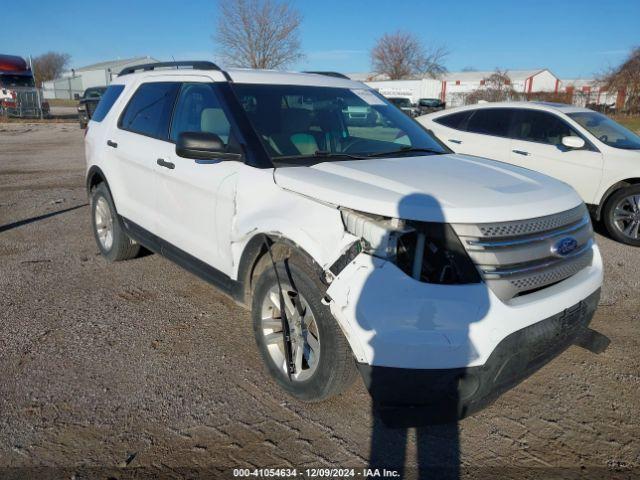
[[106, 102], [453, 120]]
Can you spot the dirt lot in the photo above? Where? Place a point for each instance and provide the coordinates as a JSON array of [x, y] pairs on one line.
[[108, 368]]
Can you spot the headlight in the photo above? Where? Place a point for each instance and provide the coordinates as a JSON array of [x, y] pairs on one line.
[[427, 251], [379, 234]]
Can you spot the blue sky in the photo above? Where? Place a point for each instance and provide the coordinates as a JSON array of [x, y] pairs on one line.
[[572, 38]]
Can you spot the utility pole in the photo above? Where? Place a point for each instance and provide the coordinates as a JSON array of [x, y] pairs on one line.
[[37, 89]]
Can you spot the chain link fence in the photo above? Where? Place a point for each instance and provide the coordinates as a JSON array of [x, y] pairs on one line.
[[459, 99], [23, 102], [64, 88]]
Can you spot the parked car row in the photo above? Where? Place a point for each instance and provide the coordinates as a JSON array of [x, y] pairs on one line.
[[598, 157], [443, 278], [87, 104], [422, 107]]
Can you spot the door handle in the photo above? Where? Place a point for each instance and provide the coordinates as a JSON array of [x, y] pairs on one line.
[[112, 144], [521, 152], [455, 141], [165, 164]]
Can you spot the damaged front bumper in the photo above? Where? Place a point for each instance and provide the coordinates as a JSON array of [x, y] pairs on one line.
[[457, 346], [442, 395]]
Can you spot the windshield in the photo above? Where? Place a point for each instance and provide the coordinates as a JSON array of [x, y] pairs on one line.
[[16, 81], [306, 124], [95, 92], [607, 131]]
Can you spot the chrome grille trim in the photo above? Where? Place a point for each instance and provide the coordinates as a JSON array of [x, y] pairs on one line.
[[517, 257], [522, 227], [553, 275], [505, 272], [538, 238]]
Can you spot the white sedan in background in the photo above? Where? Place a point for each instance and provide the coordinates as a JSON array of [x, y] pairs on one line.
[[598, 157]]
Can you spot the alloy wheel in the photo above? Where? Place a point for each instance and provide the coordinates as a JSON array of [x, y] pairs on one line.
[[303, 329], [626, 216], [104, 223]]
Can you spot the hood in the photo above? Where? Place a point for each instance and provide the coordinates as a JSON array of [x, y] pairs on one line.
[[451, 188], [614, 155]]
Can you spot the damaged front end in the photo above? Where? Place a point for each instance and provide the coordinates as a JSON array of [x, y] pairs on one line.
[[426, 329], [426, 251]]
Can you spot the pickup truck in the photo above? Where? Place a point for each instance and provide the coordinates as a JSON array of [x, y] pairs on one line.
[[88, 103]]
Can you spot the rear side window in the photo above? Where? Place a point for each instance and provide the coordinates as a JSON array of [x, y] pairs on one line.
[[541, 127], [106, 102], [149, 110], [490, 121], [454, 120]]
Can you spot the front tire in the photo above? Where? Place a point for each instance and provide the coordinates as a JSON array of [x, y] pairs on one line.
[[113, 242], [621, 215], [323, 360]]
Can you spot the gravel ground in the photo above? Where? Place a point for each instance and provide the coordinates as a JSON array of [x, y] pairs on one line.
[[121, 370]]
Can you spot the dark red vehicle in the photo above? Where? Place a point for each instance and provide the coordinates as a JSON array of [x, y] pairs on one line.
[[18, 94]]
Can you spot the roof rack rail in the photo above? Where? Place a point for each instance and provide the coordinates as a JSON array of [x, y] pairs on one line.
[[330, 74], [196, 65]]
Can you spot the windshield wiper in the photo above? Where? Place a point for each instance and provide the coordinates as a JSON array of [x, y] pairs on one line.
[[321, 154], [406, 149]]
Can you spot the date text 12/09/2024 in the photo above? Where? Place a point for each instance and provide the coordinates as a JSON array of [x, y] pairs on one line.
[[316, 472]]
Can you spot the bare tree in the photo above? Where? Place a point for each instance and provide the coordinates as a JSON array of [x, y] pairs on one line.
[[258, 33], [496, 87], [626, 79], [49, 66], [401, 55]]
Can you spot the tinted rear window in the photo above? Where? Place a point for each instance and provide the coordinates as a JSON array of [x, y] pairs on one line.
[[490, 121], [149, 110], [454, 120], [106, 102]]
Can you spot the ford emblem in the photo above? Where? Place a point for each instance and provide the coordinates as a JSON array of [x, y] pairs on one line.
[[564, 247]]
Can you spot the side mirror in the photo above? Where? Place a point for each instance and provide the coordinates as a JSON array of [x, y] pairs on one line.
[[573, 142], [203, 146]]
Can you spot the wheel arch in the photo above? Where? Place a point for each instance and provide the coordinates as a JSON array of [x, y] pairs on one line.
[[255, 259], [627, 182], [95, 176]]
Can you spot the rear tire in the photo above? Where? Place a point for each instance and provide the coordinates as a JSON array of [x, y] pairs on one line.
[[113, 242], [621, 215], [328, 366]]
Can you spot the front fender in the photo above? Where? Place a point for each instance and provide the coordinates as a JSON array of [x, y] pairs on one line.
[[315, 228]]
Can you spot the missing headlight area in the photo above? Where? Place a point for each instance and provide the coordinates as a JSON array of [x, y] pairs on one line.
[[428, 252], [379, 234], [432, 253]]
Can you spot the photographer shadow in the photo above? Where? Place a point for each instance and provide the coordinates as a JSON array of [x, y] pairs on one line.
[[435, 322]]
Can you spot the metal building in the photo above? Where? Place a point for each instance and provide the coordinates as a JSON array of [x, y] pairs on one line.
[[456, 85], [453, 87], [76, 81]]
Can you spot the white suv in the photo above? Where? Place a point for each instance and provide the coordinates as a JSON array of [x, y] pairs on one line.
[[592, 153], [444, 279]]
